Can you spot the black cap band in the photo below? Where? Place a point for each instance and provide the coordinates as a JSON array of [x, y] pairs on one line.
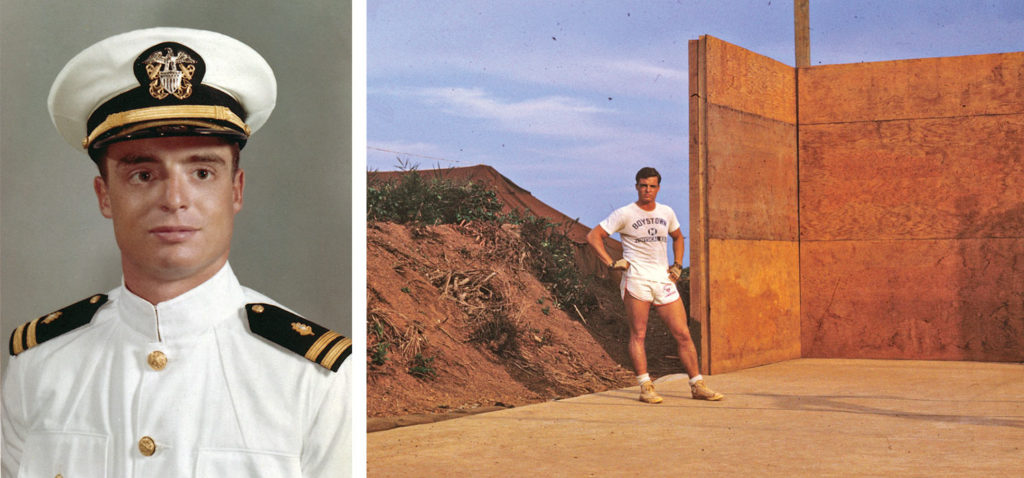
[[170, 79]]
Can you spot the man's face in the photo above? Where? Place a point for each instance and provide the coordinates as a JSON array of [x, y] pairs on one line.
[[647, 189], [173, 202]]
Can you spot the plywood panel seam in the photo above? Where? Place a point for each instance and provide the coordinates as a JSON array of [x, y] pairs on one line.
[[773, 241], [739, 237], [799, 245], [755, 115], [893, 120], [909, 239]]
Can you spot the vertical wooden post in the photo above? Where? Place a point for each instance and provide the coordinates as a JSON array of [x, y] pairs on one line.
[[699, 278], [802, 31]]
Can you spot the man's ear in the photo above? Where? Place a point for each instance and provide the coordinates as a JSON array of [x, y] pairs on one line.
[[238, 189], [102, 196]]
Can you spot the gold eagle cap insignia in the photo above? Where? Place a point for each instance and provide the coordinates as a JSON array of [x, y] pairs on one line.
[[302, 329], [170, 73]]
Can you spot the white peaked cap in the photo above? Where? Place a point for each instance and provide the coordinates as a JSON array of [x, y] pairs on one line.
[[132, 84]]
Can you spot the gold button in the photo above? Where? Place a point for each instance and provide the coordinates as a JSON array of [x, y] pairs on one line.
[[257, 308], [59, 476], [147, 446], [94, 299], [157, 360]]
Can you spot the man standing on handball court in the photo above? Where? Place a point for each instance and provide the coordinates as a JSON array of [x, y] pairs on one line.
[[645, 227]]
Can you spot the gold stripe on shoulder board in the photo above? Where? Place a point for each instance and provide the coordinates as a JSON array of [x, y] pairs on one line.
[[30, 334], [320, 344], [17, 347], [336, 352]]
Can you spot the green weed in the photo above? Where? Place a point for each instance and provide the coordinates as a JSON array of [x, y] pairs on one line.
[[379, 356], [422, 367], [418, 199]]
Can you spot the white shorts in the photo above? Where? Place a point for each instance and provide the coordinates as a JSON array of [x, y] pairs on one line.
[[660, 293]]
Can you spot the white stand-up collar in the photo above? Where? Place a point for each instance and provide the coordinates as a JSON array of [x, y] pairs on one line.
[[187, 315]]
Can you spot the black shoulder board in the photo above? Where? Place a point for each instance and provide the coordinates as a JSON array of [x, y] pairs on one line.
[[44, 328], [318, 344]]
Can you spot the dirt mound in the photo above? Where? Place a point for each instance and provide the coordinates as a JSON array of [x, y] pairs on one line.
[[516, 198], [457, 321]]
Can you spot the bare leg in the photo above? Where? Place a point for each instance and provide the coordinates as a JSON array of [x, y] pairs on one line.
[[637, 311], [674, 316]]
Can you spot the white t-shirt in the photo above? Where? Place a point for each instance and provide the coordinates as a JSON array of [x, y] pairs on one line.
[[644, 236]]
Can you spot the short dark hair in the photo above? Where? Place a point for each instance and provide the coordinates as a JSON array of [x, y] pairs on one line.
[[647, 172]]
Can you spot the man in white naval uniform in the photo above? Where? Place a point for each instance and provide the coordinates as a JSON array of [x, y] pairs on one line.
[[647, 279], [180, 371]]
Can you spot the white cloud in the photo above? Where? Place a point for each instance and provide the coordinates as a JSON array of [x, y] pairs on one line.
[[553, 116], [643, 76]]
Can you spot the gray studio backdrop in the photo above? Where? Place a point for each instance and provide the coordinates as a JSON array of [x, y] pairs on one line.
[[293, 236]]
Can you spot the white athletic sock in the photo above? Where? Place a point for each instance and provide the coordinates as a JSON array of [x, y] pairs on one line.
[[694, 379], [640, 379]]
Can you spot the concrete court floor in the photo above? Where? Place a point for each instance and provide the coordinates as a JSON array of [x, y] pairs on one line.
[[806, 417]]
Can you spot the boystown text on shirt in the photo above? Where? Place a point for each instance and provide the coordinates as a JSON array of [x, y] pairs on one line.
[[648, 221]]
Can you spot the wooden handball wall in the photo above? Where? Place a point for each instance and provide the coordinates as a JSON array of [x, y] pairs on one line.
[[743, 199], [871, 210], [912, 209]]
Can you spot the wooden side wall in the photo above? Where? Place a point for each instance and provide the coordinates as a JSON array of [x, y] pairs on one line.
[[743, 199], [912, 209]]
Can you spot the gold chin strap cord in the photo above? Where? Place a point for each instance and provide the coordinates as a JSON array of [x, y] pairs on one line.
[[157, 113]]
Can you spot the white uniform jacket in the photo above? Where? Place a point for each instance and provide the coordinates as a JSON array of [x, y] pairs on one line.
[[182, 388]]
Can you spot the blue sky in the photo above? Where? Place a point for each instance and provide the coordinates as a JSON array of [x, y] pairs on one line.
[[569, 99]]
